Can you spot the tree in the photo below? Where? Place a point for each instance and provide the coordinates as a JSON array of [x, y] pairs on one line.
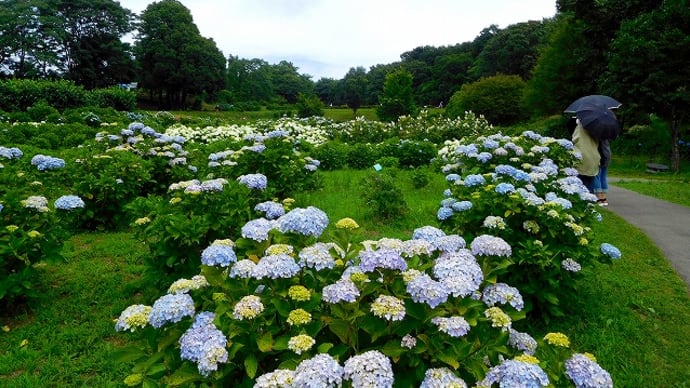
[[176, 62], [249, 79], [648, 66], [329, 90], [497, 98], [397, 98], [355, 88], [288, 83]]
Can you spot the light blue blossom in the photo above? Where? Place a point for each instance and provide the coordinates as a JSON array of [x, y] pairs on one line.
[[43, 162], [447, 193], [522, 341], [344, 290], [570, 171], [204, 344], [452, 177], [487, 245], [372, 260], [505, 169], [213, 185], [148, 131], [503, 294], [275, 267], [317, 256], [221, 255], [424, 289], [474, 180], [308, 222], [271, 209], [565, 143], [467, 149], [504, 188], [369, 369], [444, 213], [322, 370], [11, 153], [462, 206], [428, 233], [484, 157], [455, 326], [441, 378], [171, 308], [490, 144], [448, 202], [258, 229], [242, 269], [69, 202], [135, 126], [258, 148], [511, 373], [532, 135], [458, 272], [571, 265], [610, 251], [254, 181], [586, 373], [449, 243]]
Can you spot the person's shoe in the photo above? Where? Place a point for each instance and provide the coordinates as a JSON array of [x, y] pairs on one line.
[[603, 202]]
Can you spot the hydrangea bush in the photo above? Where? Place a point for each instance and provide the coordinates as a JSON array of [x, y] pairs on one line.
[[524, 190], [282, 306]]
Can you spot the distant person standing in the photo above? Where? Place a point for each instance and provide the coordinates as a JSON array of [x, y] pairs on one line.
[[588, 147], [600, 185]]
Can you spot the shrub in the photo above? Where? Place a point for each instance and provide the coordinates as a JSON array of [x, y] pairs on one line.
[[113, 97], [397, 98], [308, 106], [382, 197], [412, 154], [20, 94], [497, 98], [40, 111], [281, 307], [333, 155], [362, 156], [420, 178]]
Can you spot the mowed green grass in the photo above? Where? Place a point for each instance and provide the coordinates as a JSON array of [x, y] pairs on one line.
[[632, 315]]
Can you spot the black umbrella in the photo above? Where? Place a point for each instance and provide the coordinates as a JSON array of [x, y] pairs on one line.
[[594, 99], [599, 121]]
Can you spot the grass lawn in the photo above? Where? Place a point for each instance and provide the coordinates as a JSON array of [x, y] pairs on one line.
[[632, 315]]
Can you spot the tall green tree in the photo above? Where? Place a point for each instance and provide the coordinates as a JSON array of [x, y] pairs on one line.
[[177, 65], [249, 79], [648, 66], [355, 88], [329, 90], [397, 99], [288, 83]]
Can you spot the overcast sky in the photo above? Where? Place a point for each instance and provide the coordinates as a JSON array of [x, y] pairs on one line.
[[325, 38]]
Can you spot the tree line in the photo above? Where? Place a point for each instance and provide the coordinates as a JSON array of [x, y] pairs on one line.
[[635, 50]]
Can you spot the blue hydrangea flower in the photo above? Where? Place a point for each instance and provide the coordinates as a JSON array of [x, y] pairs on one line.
[[522, 342], [504, 188], [148, 131], [474, 180], [344, 290], [213, 185], [505, 169], [11, 153], [461, 206], [455, 326], [254, 181], [586, 373], [275, 267], [444, 213], [513, 373], [424, 289], [441, 378], [369, 369], [467, 149], [321, 370], [571, 265], [283, 378], [258, 229], [271, 209], [171, 308], [610, 251], [317, 256], [459, 272], [532, 135], [43, 162], [69, 202], [428, 233], [308, 222], [221, 255], [447, 193], [503, 294], [204, 344], [452, 177], [565, 143], [372, 260], [521, 176], [449, 243], [242, 269], [486, 245], [490, 144], [484, 157]]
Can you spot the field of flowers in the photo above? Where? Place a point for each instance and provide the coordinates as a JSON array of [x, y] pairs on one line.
[[258, 290]]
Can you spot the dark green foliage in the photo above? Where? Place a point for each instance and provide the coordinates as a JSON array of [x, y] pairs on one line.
[[114, 97], [40, 111], [397, 98], [420, 178], [332, 155], [362, 156], [413, 153], [19, 94], [382, 196], [309, 105], [497, 98], [355, 88]]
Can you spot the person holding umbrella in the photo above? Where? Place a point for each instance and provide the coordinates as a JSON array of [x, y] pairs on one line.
[[600, 185], [588, 147]]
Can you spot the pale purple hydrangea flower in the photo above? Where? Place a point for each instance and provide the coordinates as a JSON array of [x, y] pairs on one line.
[[317, 256], [242, 269], [69, 202], [484, 157], [171, 308], [258, 229], [372, 260], [486, 245], [503, 294], [441, 378], [279, 266], [254, 181], [511, 373], [455, 326], [308, 222], [408, 341], [424, 289], [322, 370], [459, 272], [271, 209], [344, 290], [522, 342], [204, 344], [213, 185], [571, 265], [452, 177], [449, 243], [428, 233], [586, 373], [369, 369], [532, 135], [221, 255]]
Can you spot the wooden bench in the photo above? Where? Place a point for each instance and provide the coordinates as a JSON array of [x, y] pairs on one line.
[[656, 168]]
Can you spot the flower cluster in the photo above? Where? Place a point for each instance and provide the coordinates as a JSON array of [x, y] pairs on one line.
[[44, 162], [204, 344]]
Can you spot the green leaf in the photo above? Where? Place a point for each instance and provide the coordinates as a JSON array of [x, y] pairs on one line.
[[374, 326], [342, 329], [265, 342], [185, 375], [448, 359], [324, 348], [393, 349], [251, 365], [128, 354]]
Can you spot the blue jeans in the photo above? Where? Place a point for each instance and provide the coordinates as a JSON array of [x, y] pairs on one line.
[[600, 184]]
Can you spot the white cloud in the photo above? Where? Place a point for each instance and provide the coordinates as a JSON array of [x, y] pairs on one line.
[[325, 38]]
